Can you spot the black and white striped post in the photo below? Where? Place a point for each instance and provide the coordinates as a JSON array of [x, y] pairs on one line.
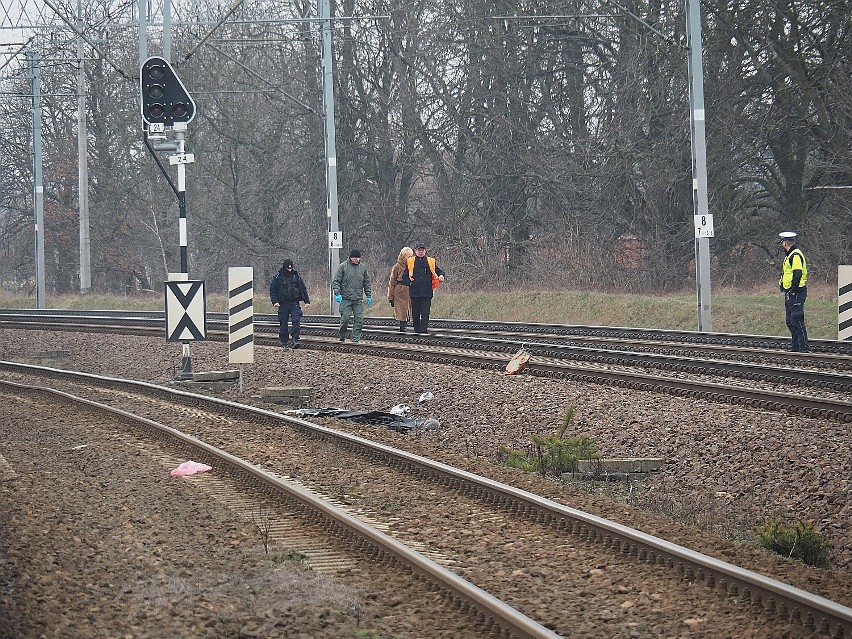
[[181, 159], [240, 317], [844, 302]]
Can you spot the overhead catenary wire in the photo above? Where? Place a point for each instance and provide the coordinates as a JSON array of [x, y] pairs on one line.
[[261, 78], [88, 40], [212, 30], [16, 53]]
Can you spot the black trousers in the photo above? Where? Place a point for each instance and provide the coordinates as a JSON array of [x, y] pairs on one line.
[[420, 307], [794, 314], [289, 311]]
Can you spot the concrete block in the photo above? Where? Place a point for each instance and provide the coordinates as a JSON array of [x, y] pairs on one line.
[[289, 395], [216, 376]]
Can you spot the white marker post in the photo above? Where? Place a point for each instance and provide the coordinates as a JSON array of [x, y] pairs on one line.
[[241, 317], [844, 302]]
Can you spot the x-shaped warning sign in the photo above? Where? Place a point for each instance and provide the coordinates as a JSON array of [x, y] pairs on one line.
[[186, 311]]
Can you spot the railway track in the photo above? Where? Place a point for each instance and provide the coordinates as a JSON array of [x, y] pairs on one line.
[[816, 385], [492, 510], [489, 615], [100, 541], [627, 336]]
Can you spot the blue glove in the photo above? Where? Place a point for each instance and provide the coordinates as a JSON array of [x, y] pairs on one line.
[[338, 298], [369, 301]]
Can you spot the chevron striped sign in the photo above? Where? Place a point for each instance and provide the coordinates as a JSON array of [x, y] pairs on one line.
[[240, 315], [186, 310], [844, 302]]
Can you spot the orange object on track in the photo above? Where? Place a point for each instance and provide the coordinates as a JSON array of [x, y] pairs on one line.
[[518, 362]]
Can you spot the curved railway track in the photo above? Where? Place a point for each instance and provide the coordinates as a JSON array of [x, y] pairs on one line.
[[489, 614], [543, 518], [816, 385]]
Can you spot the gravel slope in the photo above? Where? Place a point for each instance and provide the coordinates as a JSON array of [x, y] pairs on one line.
[[726, 468], [97, 540]]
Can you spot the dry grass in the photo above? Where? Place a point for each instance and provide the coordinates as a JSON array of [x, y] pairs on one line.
[[756, 313]]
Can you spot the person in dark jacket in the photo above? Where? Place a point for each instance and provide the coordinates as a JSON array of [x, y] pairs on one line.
[[286, 290], [423, 277]]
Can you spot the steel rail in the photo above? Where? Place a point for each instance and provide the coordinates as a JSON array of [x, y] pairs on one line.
[[382, 547], [819, 407], [812, 611], [826, 408], [761, 364], [820, 379], [824, 353], [752, 371], [648, 334]]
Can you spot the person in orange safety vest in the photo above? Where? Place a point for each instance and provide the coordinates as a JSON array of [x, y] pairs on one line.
[[423, 277]]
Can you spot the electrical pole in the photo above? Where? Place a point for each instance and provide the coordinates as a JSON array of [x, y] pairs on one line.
[[83, 162], [142, 7], [167, 30], [703, 220], [335, 238], [38, 183]]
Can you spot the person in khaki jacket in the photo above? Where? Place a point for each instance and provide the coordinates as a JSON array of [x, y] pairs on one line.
[[398, 289], [350, 284]]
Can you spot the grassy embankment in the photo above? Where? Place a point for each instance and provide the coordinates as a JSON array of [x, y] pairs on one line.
[[756, 313]]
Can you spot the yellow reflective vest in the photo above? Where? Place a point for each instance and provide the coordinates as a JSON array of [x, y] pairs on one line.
[[795, 261]]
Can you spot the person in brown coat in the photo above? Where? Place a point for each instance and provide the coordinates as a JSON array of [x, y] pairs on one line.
[[398, 291]]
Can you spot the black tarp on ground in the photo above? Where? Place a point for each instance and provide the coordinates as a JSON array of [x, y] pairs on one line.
[[394, 422]]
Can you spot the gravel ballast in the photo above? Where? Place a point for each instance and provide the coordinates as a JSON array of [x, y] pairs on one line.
[[726, 469]]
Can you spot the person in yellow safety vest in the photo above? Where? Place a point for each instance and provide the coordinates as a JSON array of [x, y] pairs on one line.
[[423, 277], [793, 282]]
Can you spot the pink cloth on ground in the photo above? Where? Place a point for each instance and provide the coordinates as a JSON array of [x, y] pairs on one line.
[[190, 468]]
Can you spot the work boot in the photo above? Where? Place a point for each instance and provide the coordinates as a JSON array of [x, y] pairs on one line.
[[295, 343], [284, 345], [402, 326]]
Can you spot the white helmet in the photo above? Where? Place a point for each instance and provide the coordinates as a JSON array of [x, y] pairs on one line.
[[403, 410]]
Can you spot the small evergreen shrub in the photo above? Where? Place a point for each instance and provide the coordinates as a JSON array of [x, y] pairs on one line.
[[555, 456], [795, 539], [552, 455]]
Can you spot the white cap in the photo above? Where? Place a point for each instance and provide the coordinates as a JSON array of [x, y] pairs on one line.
[[787, 236]]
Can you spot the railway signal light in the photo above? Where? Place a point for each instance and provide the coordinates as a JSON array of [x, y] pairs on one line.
[[164, 99]]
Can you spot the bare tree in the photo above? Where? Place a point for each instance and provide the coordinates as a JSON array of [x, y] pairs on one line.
[[513, 136]]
